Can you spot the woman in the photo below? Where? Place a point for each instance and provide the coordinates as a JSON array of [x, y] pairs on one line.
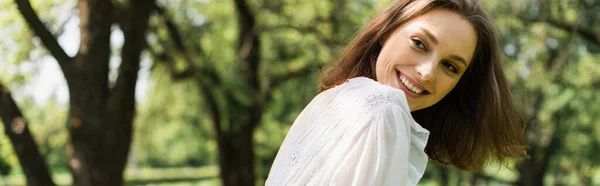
[[421, 81]]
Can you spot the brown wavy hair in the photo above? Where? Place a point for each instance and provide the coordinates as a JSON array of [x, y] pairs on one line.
[[476, 122]]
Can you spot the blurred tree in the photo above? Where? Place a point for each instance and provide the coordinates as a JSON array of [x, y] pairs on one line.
[[171, 127], [4, 167], [25, 147], [239, 71], [100, 114], [549, 46]]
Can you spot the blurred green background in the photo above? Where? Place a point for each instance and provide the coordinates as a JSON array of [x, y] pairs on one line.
[[219, 82]]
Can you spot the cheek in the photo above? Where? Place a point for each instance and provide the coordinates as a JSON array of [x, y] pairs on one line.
[[445, 86], [396, 46], [386, 59], [395, 50], [379, 67]]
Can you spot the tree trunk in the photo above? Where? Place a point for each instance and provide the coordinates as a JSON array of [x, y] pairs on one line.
[[533, 170], [236, 153], [17, 130], [236, 159], [101, 119], [88, 90], [529, 174], [444, 176]]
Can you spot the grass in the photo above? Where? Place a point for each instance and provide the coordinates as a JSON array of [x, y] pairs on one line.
[[185, 176]]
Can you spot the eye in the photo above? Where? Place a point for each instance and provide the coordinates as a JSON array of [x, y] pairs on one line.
[[418, 43], [450, 67]]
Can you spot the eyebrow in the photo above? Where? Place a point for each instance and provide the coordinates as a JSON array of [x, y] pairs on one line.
[[435, 41], [459, 59]]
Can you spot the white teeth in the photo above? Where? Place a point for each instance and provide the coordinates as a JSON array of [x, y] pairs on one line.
[[410, 86]]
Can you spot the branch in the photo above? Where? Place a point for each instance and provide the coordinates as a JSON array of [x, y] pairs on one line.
[[306, 29], [586, 34], [169, 63], [173, 31], [210, 98], [134, 27], [558, 118], [561, 129], [192, 69], [203, 86], [280, 78], [15, 126], [47, 38], [584, 3], [245, 16], [249, 44], [122, 97]]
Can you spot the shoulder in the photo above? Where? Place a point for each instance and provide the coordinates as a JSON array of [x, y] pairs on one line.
[[364, 91], [364, 96]]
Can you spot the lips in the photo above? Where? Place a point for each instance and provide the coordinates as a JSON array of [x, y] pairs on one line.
[[410, 87]]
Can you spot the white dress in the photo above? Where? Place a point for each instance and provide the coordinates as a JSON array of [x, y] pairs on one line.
[[358, 133]]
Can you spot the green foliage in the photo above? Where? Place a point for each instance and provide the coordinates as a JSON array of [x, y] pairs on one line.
[[553, 67], [552, 71], [287, 103], [172, 129], [46, 125], [202, 176], [8, 161]]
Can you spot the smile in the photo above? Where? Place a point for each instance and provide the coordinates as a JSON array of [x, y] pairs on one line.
[[410, 88]]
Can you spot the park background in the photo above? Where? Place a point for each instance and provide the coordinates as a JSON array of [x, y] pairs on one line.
[[202, 92]]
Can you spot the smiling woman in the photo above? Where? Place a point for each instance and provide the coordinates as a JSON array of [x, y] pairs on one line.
[[422, 80], [426, 57]]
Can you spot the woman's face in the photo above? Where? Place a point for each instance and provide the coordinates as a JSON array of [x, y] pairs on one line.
[[427, 56]]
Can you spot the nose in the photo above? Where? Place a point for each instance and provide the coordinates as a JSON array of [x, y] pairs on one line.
[[426, 70]]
